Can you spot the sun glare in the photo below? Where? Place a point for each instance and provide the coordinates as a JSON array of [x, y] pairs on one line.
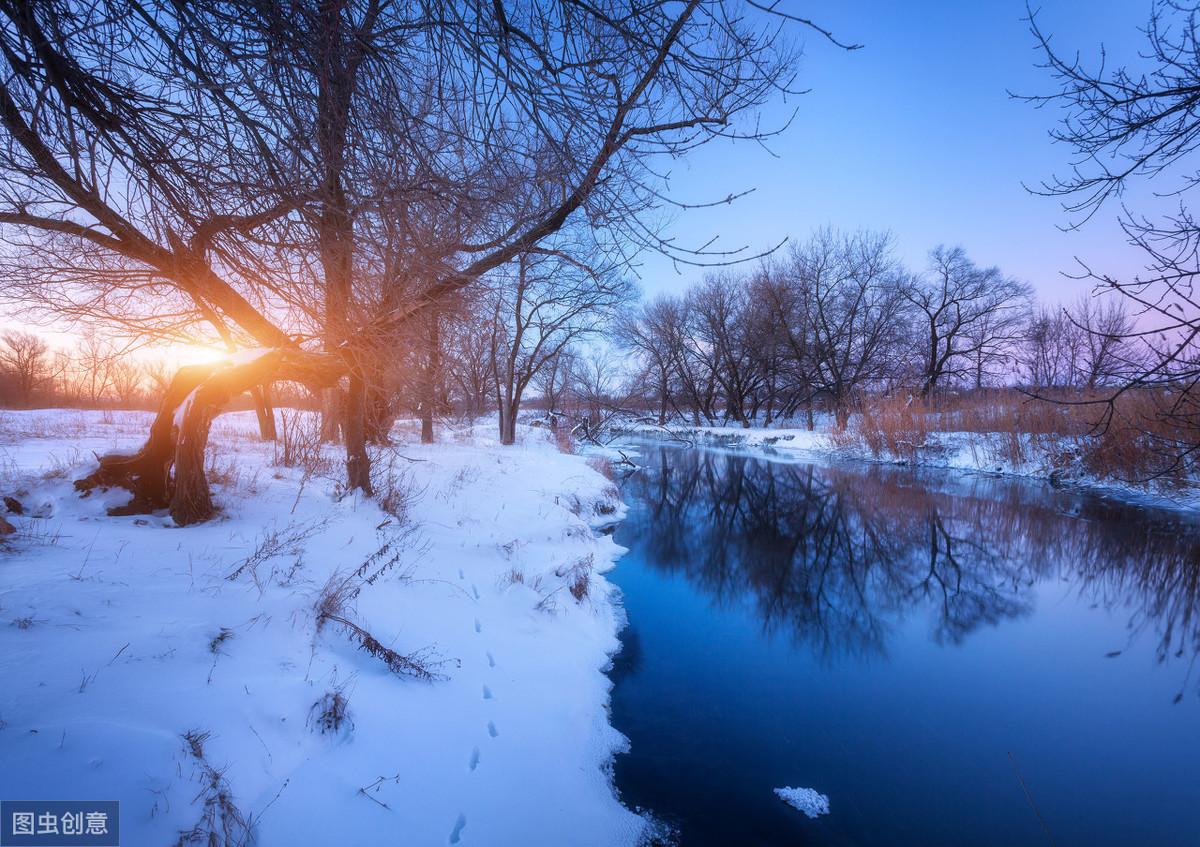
[[180, 354]]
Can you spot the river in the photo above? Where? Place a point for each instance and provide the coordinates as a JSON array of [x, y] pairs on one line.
[[952, 659]]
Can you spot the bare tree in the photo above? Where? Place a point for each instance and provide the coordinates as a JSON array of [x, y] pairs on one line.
[[539, 307], [784, 337], [1104, 354], [963, 313], [724, 343], [25, 358], [168, 164], [127, 382], [468, 359], [1127, 125], [596, 382], [555, 381], [95, 366], [650, 332], [1048, 350], [857, 314]]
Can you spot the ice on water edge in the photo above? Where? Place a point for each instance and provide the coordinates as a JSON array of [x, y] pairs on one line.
[[807, 800]]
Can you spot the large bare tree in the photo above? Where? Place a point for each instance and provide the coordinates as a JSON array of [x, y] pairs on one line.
[[962, 311], [168, 163]]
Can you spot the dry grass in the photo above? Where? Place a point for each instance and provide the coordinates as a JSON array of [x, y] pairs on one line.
[[1133, 439], [221, 823], [331, 712], [274, 543], [231, 474], [334, 605], [896, 427], [603, 466], [392, 480], [563, 439]]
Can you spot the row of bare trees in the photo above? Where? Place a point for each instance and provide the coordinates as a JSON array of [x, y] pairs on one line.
[[839, 317], [94, 371]]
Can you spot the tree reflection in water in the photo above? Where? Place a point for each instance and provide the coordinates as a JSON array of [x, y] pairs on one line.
[[837, 557]]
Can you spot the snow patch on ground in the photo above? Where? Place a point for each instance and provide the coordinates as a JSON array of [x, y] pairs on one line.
[[811, 802], [136, 668]]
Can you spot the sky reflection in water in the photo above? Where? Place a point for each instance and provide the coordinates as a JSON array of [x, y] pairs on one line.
[[889, 637]]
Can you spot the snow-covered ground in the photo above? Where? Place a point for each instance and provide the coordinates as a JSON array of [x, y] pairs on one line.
[[1039, 457], [211, 678]]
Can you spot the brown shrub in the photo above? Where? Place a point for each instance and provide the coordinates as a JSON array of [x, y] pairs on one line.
[[603, 465]]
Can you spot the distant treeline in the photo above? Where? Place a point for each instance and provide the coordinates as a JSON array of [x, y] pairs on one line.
[[838, 318]]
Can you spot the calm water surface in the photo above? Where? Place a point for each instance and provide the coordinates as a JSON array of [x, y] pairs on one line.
[[953, 660]]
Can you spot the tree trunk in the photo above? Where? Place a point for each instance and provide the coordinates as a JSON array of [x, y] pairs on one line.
[[508, 422], [379, 416], [358, 463], [265, 411], [179, 434], [429, 379], [331, 415]]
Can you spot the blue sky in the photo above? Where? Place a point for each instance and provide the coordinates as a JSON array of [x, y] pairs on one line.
[[916, 134]]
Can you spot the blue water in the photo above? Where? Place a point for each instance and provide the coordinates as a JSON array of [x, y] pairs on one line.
[[954, 660]]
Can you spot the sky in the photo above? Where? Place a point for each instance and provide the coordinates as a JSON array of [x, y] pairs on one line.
[[916, 134]]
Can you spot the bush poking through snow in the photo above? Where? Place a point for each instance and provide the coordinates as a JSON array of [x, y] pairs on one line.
[[395, 491], [564, 440], [416, 665], [331, 712], [579, 577], [576, 578], [221, 823], [603, 465], [214, 645], [274, 542], [331, 607], [298, 443], [387, 557]]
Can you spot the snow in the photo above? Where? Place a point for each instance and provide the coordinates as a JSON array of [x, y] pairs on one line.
[[811, 802], [119, 635], [182, 410], [247, 356]]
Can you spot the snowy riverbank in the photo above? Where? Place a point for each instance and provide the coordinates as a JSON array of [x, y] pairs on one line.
[[1042, 458], [212, 679]]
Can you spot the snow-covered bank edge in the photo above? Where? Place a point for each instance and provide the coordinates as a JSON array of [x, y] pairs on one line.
[[964, 452], [501, 589]]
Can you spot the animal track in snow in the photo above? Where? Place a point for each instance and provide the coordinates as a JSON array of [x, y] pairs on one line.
[[478, 626], [475, 591], [492, 729], [487, 693], [474, 763], [491, 660], [459, 826]]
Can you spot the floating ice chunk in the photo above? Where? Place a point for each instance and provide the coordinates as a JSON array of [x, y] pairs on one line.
[[811, 802]]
